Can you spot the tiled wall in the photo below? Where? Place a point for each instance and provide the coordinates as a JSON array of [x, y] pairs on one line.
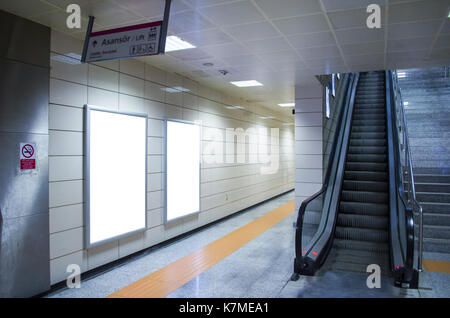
[[131, 85], [308, 141]]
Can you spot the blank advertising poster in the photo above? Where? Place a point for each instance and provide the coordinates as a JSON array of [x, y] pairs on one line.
[[182, 169], [116, 174]]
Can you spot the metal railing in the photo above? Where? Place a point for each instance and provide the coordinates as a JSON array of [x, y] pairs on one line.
[[406, 165]]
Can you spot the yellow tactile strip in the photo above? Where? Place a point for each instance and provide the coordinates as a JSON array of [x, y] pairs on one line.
[[171, 277], [436, 266]]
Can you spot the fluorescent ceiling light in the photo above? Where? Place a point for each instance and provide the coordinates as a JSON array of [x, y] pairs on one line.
[[70, 58], [246, 83], [266, 117], [448, 15], [401, 74], [287, 105], [288, 124], [176, 89], [174, 43], [235, 107]]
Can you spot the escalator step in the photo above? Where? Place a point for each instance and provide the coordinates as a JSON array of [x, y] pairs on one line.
[[363, 116], [375, 247], [365, 175], [367, 150], [367, 142], [361, 234], [366, 158], [368, 122], [363, 221], [370, 111], [365, 186], [368, 135], [368, 128], [361, 208], [364, 196], [366, 166]]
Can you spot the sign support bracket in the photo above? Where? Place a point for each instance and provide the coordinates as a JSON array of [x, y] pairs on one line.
[[164, 27], [86, 40]]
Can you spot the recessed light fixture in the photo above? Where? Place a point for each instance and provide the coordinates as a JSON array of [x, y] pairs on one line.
[[176, 89], [249, 83], [266, 117], [70, 58], [401, 74], [235, 107], [174, 43], [287, 105]]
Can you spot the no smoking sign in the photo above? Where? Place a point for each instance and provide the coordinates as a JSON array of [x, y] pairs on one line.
[[27, 156]]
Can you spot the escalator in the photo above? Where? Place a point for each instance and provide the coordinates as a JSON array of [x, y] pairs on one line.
[[364, 218], [361, 235]]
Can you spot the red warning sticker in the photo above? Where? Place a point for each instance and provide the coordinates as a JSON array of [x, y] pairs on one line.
[[27, 155]]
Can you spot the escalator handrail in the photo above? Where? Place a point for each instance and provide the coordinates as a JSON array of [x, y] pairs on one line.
[[413, 198], [301, 212], [407, 268]]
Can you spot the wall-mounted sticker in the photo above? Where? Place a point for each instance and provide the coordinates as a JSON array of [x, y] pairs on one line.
[[27, 155]]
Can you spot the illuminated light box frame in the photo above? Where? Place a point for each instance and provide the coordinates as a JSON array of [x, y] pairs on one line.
[[183, 164], [115, 174]]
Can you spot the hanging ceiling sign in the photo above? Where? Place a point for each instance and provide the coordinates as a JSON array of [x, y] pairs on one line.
[[125, 42], [131, 41]]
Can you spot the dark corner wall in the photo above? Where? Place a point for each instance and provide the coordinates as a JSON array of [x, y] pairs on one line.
[[24, 94]]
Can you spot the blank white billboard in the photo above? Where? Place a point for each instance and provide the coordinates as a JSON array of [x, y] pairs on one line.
[[182, 169], [116, 174]]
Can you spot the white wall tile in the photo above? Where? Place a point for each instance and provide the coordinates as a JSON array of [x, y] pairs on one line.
[[65, 143], [65, 193], [65, 168], [66, 242], [66, 218], [103, 98], [131, 244], [101, 77], [65, 118], [133, 67], [67, 93], [102, 254], [131, 85], [58, 266], [154, 91], [70, 72]]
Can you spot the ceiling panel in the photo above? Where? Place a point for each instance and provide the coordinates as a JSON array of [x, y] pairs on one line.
[[280, 42], [311, 39], [421, 10], [254, 31], [288, 8], [301, 25], [356, 18], [413, 30], [232, 13], [337, 5]]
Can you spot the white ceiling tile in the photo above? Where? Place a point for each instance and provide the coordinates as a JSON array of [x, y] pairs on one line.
[[57, 21], [145, 8], [325, 62], [301, 25], [187, 22], [335, 5], [363, 48], [356, 18], [188, 55], [253, 31], [248, 60], [206, 3], [226, 50], [356, 60], [312, 39], [232, 13], [441, 54], [268, 45], [442, 41], [280, 56], [26, 8], [446, 27], [413, 30], [288, 8], [413, 44], [359, 35], [407, 56], [320, 52], [421, 10], [206, 37]]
